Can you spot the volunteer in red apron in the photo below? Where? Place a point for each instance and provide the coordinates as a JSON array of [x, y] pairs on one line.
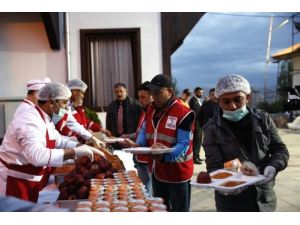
[[169, 123], [141, 160], [31, 145], [74, 123], [32, 86]]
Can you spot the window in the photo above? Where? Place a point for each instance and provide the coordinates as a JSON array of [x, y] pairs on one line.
[[109, 57]]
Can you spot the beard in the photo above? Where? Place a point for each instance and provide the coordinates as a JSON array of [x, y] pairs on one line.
[[78, 102]]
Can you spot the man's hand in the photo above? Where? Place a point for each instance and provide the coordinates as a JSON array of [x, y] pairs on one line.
[[84, 150], [127, 143], [269, 173], [97, 142], [106, 132]]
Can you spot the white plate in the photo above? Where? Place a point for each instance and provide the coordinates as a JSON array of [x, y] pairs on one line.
[[147, 150], [216, 183], [113, 140]]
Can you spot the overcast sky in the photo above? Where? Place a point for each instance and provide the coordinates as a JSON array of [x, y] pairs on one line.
[[223, 44]]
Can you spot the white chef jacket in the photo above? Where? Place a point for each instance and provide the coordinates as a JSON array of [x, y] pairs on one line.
[[25, 143], [24, 106]]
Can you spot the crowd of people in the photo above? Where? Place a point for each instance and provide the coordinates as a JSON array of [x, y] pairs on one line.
[[51, 126]]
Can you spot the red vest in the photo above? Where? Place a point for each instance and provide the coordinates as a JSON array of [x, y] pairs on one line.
[[141, 158], [24, 188], [166, 134], [80, 116]]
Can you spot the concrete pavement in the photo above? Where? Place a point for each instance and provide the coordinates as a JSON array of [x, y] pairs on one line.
[[287, 182]]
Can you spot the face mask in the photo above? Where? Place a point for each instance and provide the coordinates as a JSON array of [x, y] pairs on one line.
[[57, 117], [236, 115]]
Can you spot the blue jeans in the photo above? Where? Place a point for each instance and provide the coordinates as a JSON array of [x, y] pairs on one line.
[[177, 196], [144, 174]]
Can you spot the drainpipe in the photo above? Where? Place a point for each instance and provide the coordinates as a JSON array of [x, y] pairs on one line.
[[68, 53]]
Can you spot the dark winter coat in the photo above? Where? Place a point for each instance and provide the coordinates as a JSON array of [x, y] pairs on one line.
[[267, 149]]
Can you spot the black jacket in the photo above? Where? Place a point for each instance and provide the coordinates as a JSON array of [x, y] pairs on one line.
[[207, 111], [132, 112], [267, 148], [194, 104]]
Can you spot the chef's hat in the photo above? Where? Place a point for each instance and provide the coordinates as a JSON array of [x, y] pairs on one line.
[[54, 91], [47, 80], [36, 85], [232, 83], [77, 84]]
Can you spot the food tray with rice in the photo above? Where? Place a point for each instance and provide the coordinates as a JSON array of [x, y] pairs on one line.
[[226, 181]]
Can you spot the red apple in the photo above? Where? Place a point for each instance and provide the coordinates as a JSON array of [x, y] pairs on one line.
[[72, 189], [87, 175], [82, 192], [101, 176], [72, 197], [78, 179]]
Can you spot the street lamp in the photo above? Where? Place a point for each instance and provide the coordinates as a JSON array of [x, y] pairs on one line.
[[271, 29]]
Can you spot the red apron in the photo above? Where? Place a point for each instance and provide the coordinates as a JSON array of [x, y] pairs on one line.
[[141, 158], [27, 189]]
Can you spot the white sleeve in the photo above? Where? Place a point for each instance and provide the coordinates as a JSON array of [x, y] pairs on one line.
[[31, 134], [62, 141], [73, 125]]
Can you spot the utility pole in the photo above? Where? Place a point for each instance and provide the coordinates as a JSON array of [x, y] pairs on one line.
[[266, 75]]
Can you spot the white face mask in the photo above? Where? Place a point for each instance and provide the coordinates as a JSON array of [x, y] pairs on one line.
[[57, 117], [236, 115]]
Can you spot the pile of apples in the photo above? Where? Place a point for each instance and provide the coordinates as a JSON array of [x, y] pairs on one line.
[[77, 184]]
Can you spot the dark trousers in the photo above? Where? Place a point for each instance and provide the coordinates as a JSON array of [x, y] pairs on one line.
[[177, 196], [244, 202], [144, 174], [197, 141]]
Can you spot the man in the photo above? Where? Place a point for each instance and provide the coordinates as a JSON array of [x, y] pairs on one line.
[[32, 86], [141, 161], [186, 94], [195, 105], [169, 123], [31, 146], [248, 134], [123, 113], [73, 122], [208, 108]]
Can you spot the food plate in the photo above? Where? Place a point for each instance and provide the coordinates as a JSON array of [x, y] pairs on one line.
[[238, 180], [113, 140], [147, 150]]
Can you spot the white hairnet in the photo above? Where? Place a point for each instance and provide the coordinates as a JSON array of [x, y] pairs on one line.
[[232, 83], [77, 84], [54, 91]]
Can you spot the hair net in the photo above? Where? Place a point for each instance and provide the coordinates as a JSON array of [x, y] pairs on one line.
[[232, 83], [54, 91], [77, 84]]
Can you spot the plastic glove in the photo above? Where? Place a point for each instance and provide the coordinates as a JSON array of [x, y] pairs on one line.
[[249, 169], [235, 192], [97, 151], [97, 142], [269, 173], [84, 150]]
